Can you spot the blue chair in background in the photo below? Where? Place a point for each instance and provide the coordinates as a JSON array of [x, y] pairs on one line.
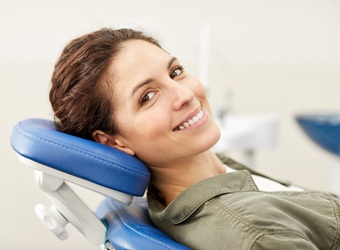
[[323, 129]]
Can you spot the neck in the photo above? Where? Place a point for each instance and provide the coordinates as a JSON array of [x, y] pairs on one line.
[[172, 179]]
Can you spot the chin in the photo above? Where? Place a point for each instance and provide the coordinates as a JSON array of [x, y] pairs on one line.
[[217, 136], [212, 138]]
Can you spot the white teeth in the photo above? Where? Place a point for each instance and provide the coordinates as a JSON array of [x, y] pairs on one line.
[[192, 121]]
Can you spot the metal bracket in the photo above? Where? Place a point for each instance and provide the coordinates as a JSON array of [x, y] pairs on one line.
[[67, 207]]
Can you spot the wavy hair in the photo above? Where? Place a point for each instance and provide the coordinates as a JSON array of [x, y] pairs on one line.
[[81, 92]]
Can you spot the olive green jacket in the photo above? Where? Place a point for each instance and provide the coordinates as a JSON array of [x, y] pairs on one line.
[[229, 212]]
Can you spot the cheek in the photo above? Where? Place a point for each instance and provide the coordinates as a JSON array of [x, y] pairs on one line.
[[200, 93], [146, 127], [154, 123], [197, 87]]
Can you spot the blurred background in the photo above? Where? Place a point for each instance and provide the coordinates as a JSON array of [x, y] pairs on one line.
[[256, 57]]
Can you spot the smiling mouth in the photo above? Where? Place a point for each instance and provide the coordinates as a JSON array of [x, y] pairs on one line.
[[191, 121]]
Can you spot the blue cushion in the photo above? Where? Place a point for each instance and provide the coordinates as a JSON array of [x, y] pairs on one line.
[[129, 227], [38, 140]]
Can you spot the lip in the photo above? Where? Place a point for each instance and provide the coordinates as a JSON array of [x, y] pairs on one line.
[[190, 116]]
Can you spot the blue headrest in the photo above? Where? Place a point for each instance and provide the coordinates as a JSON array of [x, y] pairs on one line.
[[39, 141]]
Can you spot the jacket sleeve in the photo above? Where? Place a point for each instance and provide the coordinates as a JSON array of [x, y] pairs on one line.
[[283, 241]]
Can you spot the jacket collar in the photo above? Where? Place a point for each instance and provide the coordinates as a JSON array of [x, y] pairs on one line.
[[239, 166], [187, 202]]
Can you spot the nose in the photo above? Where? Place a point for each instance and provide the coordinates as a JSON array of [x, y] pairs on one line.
[[181, 95]]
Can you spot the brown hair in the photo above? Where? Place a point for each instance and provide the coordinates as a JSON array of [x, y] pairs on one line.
[[81, 93]]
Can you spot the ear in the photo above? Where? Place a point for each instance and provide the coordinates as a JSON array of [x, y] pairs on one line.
[[114, 141]]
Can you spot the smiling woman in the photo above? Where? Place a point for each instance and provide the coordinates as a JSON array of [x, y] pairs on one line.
[[120, 88], [156, 97]]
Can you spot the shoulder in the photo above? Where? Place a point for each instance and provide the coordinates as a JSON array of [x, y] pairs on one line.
[[253, 220]]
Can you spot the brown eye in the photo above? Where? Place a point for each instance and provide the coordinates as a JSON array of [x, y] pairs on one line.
[[176, 72], [147, 97]]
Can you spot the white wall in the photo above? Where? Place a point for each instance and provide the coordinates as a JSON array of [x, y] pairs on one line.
[[280, 57]]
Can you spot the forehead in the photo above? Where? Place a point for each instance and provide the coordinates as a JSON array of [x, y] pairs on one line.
[[138, 52], [137, 61]]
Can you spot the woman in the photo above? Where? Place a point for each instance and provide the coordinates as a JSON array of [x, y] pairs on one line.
[[120, 88]]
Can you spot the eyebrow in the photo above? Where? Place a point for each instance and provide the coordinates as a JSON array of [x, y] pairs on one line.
[[149, 80]]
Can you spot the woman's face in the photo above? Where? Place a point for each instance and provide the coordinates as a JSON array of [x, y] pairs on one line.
[[161, 112]]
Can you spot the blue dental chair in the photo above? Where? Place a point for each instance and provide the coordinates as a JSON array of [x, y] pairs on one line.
[[121, 221]]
